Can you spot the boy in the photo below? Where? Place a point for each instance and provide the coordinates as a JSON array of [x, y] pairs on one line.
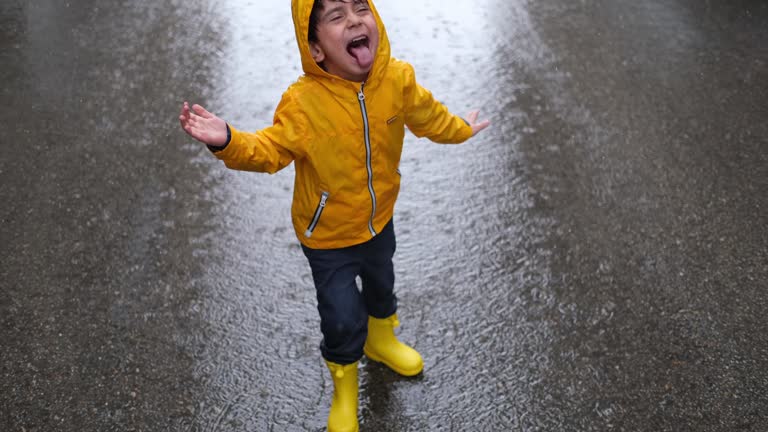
[[342, 124]]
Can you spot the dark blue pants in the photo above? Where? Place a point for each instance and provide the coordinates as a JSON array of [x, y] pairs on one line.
[[344, 308]]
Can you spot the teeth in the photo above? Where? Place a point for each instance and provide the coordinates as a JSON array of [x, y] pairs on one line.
[[358, 42]]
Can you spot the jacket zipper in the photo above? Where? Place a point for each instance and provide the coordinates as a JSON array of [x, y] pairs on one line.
[[361, 99], [318, 212]]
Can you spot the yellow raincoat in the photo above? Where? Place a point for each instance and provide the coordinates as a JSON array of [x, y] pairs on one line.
[[345, 139]]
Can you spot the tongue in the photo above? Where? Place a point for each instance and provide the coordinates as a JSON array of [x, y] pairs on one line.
[[363, 55]]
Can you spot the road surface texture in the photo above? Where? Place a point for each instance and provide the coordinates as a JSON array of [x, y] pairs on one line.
[[597, 260]]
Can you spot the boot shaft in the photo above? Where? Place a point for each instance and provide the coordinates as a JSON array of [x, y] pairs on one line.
[[343, 414]]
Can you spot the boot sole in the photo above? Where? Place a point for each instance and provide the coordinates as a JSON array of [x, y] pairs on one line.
[[356, 429], [402, 372]]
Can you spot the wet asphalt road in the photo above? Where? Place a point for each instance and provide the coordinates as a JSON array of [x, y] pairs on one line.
[[597, 260]]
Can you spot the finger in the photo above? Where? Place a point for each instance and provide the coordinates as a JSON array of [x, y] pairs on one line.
[[194, 132], [188, 129], [202, 112], [189, 121], [184, 114], [472, 117], [184, 111], [194, 118], [476, 128]]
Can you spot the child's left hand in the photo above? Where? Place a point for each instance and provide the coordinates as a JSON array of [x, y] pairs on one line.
[[477, 126]]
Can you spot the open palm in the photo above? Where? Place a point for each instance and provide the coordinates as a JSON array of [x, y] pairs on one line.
[[477, 126], [202, 125]]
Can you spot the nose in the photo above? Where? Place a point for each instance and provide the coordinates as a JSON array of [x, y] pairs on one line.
[[354, 20]]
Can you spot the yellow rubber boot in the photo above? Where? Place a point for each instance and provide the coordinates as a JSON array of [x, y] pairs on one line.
[[382, 346], [343, 415]]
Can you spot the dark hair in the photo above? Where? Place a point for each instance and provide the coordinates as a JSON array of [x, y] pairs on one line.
[[314, 16], [317, 8]]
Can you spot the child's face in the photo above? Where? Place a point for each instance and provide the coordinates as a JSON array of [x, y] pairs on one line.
[[348, 38]]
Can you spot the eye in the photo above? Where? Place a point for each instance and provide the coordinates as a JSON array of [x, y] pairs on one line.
[[334, 17]]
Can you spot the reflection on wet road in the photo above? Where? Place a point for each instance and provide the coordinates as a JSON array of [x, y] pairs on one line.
[[597, 260]]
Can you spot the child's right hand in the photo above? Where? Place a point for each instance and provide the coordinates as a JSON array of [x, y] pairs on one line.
[[203, 126]]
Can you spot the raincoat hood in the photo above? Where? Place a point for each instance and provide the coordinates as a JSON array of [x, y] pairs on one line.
[[302, 9]]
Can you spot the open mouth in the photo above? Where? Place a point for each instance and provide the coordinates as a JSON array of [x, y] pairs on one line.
[[360, 49], [356, 43]]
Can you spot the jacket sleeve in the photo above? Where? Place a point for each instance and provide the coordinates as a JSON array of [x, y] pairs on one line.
[[270, 149], [426, 117]]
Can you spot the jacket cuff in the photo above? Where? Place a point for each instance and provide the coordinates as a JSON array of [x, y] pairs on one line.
[[467, 130], [216, 149]]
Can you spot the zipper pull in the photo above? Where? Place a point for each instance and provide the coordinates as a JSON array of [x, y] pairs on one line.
[[361, 95]]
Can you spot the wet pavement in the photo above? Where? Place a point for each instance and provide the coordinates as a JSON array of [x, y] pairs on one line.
[[596, 260]]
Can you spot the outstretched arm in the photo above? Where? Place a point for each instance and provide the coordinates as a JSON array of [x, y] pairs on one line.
[[268, 150], [203, 126], [427, 117]]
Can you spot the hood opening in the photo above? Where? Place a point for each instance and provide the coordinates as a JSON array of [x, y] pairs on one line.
[[360, 49], [301, 10]]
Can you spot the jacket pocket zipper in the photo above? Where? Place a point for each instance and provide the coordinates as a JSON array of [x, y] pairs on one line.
[[316, 217]]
